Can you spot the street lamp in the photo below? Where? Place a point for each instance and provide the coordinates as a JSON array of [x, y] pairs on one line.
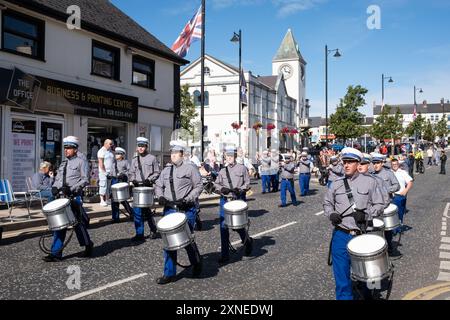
[[382, 88], [336, 55], [415, 107], [237, 37]]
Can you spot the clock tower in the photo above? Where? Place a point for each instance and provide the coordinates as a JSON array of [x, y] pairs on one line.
[[289, 61]]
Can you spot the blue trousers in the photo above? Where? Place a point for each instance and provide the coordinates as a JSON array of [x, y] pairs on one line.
[[265, 183], [400, 202], [287, 185], [225, 233], [329, 182], [304, 183], [48, 195], [170, 257], [115, 205], [275, 180], [140, 214], [80, 230], [341, 265]]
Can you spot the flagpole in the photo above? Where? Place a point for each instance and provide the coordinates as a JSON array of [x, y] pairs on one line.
[[202, 85], [239, 86]]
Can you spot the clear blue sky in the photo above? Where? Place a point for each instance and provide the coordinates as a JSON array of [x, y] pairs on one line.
[[412, 46]]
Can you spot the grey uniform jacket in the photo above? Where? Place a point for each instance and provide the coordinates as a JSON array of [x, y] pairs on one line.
[[382, 188], [238, 175], [365, 196], [122, 167], [265, 165], [391, 182], [187, 183], [288, 171], [336, 172], [42, 181], [304, 166], [150, 168], [83, 157], [76, 175]]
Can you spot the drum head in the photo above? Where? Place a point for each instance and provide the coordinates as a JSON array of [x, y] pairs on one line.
[[235, 206], [366, 245], [390, 210], [172, 221], [120, 185], [56, 205], [378, 223]]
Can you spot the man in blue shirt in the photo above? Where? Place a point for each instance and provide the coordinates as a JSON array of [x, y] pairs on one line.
[[43, 181]]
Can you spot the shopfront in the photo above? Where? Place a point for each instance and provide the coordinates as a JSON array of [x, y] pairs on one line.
[[36, 113]]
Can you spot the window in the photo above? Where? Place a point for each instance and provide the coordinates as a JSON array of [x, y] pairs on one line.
[[207, 71], [224, 88], [143, 72], [23, 35], [105, 61], [198, 100]]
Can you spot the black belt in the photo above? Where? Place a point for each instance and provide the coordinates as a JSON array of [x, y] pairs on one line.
[[306, 173], [352, 232]]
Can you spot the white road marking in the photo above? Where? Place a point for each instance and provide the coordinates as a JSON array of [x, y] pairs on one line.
[[444, 255], [443, 276], [445, 239], [446, 210], [444, 228], [444, 247], [319, 213], [268, 231], [445, 265], [444, 219], [443, 233], [113, 284]]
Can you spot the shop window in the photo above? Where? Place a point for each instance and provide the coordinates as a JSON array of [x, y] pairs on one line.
[[143, 72], [198, 99], [99, 130], [51, 143], [23, 35], [105, 60], [23, 152], [156, 138]]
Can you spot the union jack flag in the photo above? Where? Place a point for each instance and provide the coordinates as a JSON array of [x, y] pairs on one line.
[[191, 32]]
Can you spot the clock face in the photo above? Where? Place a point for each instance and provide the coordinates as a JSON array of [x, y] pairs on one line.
[[287, 71]]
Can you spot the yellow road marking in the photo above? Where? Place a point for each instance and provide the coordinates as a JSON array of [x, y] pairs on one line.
[[426, 291]]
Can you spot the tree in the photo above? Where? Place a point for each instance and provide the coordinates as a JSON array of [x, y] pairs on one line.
[[429, 133], [347, 121], [388, 126], [416, 127], [440, 128], [188, 112]]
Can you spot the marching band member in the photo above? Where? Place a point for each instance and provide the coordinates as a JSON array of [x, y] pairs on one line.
[[391, 184], [232, 179], [119, 173], [287, 182], [305, 173], [350, 202], [178, 188], [144, 171], [70, 180], [335, 169]]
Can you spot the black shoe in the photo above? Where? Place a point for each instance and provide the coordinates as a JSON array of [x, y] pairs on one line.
[[154, 235], [88, 250], [165, 280], [263, 192], [282, 206], [223, 260], [51, 258], [138, 238], [296, 204], [115, 221], [248, 247], [1, 233], [197, 269]]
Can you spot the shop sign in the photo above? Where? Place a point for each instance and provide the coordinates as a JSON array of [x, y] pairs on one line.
[[23, 90]]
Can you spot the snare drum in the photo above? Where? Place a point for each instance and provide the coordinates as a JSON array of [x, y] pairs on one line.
[[378, 227], [390, 217], [59, 214], [120, 192], [143, 197], [175, 231], [369, 258], [235, 214]]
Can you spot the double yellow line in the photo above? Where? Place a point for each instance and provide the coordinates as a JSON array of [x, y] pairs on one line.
[[428, 293]]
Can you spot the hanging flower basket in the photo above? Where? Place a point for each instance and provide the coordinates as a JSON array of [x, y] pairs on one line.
[[270, 126], [285, 130], [257, 126], [236, 126], [293, 132]]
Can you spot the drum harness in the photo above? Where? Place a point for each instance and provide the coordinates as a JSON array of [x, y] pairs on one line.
[[175, 206], [47, 235], [235, 197]]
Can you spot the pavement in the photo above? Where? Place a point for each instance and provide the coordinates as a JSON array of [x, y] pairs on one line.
[[288, 261]]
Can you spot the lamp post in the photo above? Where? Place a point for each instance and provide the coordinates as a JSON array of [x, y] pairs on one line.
[[237, 37], [336, 55], [382, 88], [415, 109]]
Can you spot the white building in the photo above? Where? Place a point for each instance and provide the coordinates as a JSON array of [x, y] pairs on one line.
[[277, 99], [109, 79]]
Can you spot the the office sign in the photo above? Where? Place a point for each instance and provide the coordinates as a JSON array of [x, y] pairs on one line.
[[23, 90]]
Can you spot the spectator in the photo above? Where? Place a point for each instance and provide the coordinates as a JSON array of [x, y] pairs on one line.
[[43, 181], [105, 166]]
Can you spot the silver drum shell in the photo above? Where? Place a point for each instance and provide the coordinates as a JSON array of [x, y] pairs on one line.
[[178, 238], [60, 219], [371, 267], [379, 231], [391, 220], [120, 194], [143, 197], [235, 220]]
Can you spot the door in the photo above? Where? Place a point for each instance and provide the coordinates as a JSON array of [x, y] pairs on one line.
[[51, 142]]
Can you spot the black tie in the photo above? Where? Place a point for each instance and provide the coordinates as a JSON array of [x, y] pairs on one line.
[[65, 173]]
